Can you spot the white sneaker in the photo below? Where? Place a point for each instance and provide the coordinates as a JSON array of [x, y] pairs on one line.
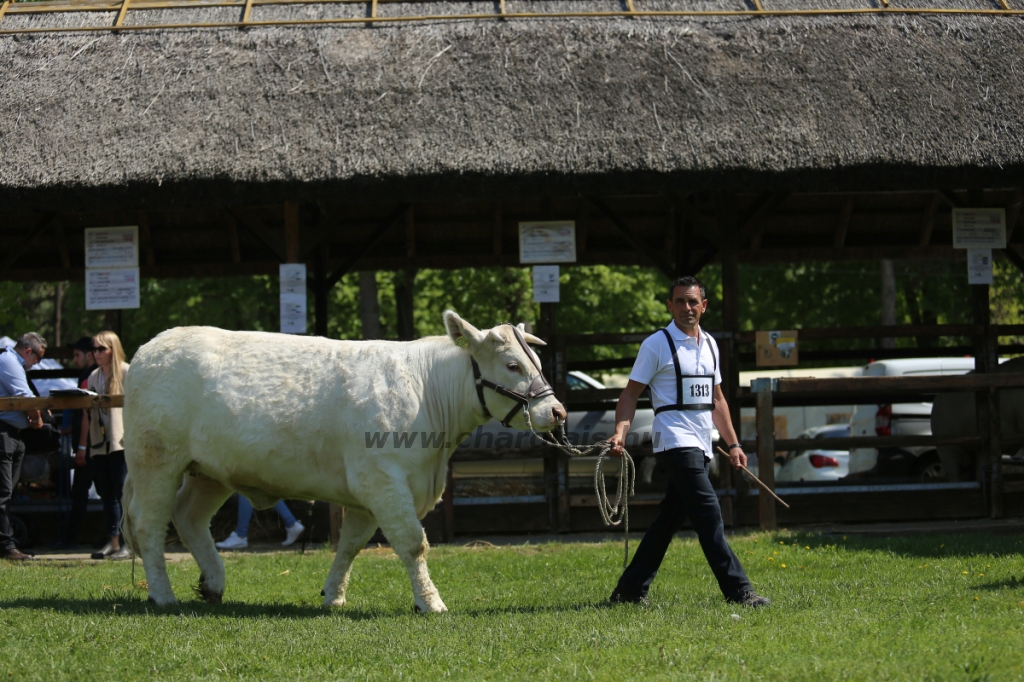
[[233, 541], [293, 533]]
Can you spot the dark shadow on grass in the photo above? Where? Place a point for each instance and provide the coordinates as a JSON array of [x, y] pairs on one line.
[[1009, 583], [924, 546]]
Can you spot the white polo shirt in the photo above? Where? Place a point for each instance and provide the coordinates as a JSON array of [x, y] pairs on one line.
[[654, 367]]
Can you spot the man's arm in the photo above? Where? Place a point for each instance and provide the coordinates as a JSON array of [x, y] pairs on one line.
[[723, 422], [625, 409]]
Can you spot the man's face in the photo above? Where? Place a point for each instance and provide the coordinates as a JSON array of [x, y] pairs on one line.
[[686, 307], [82, 359], [30, 356]]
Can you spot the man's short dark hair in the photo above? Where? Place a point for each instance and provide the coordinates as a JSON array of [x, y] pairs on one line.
[[687, 282]]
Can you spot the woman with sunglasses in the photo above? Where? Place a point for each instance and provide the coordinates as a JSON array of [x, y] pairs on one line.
[[103, 439]]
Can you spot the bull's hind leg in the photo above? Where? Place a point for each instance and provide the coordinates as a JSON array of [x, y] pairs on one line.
[[355, 533], [398, 520], [198, 500], [148, 499]]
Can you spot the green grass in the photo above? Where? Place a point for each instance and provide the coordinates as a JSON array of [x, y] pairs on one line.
[[925, 607]]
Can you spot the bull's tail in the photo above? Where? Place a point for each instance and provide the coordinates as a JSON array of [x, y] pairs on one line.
[[127, 527]]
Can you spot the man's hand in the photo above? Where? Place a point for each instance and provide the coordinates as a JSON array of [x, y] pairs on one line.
[[617, 445], [737, 458]]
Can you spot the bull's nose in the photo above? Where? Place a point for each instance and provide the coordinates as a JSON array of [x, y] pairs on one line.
[[559, 413]]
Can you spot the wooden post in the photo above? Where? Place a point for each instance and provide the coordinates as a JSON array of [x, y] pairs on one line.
[[561, 388], [291, 231], [448, 505], [989, 419], [404, 301], [730, 355], [765, 449], [320, 291]]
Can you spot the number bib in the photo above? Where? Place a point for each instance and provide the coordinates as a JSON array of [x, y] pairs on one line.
[[697, 392]]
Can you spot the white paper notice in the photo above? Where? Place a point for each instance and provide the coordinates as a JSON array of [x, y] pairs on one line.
[[545, 284], [979, 266], [111, 289], [293, 298], [552, 241], [979, 228], [112, 247]]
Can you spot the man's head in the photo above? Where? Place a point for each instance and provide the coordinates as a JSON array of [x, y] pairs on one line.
[[31, 347], [81, 351], [687, 301]]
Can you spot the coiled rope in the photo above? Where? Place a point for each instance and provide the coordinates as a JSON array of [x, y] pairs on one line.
[[612, 513]]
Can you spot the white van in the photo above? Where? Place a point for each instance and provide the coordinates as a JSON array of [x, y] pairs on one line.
[[900, 419]]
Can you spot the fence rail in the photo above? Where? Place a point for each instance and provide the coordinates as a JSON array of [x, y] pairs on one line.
[[389, 12]]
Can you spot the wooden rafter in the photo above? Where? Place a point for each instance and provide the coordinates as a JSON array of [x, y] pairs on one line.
[[621, 227], [359, 252], [265, 235], [1013, 212], [247, 13], [704, 223], [843, 226], [1014, 257], [62, 247], [120, 14], [950, 198], [752, 226], [15, 253]]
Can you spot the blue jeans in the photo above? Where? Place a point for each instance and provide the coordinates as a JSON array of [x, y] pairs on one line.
[[108, 472], [245, 515], [690, 494]]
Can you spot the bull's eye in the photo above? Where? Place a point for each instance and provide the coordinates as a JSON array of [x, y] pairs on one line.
[[513, 366]]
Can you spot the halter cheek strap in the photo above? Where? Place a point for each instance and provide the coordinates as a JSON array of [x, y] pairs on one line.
[[539, 387]]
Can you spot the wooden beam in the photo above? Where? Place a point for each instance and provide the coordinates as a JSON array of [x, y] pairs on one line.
[[236, 252], [146, 239], [1013, 211], [261, 232], [752, 227], [626, 233], [690, 212], [360, 251], [928, 221], [843, 226], [16, 253], [62, 246], [496, 230], [950, 198], [7, 3], [1014, 257], [120, 15], [410, 232], [292, 227], [247, 12]]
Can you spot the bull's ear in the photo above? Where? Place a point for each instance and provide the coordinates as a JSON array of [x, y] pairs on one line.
[[460, 331]]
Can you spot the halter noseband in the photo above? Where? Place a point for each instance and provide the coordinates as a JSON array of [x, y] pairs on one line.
[[539, 387]]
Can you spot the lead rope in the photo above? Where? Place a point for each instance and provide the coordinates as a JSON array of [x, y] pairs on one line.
[[613, 514]]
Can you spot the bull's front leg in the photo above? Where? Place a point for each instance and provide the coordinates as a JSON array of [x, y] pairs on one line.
[[357, 530], [397, 517]]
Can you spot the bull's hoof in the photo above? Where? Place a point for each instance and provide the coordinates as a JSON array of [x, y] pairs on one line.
[[206, 594], [153, 601]]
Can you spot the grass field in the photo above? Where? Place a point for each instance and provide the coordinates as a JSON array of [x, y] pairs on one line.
[[924, 607]]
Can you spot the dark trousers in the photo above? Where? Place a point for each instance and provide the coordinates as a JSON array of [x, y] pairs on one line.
[[12, 452], [109, 472], [690, 494], [79, 501]]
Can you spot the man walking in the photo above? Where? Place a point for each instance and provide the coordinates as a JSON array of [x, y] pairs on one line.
[[680, 364], [14, 384]]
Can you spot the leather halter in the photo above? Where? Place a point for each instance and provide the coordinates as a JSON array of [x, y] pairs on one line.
[[539, 387]]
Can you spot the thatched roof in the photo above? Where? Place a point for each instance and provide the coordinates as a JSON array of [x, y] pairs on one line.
[[508, 108]]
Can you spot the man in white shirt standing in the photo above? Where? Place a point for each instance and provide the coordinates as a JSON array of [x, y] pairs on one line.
[[681, 365]]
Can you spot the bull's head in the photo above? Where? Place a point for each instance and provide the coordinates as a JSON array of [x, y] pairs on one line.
[[509, 375]]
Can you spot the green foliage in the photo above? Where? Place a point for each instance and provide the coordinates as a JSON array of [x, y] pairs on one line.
[[925, 607]]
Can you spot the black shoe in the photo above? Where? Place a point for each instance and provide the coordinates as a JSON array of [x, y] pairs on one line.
[[751, 599], [623, 598], [15, 555]]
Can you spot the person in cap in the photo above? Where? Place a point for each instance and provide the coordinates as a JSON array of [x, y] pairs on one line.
[[14, 362], [680, 364]]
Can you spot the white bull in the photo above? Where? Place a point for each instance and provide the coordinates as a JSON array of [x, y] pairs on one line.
[[272, 416]]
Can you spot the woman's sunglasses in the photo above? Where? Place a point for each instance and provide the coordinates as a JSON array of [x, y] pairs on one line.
[[99, 349]]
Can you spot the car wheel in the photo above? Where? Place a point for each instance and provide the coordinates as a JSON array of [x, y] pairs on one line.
[[929, 469]]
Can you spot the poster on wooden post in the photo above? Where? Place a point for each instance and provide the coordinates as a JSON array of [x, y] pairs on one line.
[[777, 349]]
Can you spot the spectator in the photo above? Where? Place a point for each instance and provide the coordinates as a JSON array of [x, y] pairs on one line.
[[239, 538], [28, 351], [82, 480], [102, 439]]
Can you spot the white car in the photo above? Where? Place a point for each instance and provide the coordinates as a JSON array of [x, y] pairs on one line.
[[818, 463], [900, 419]]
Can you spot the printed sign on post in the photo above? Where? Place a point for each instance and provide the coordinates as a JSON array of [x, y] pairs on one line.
[[293, 298], [979, 266], [979, 228], [112, 247], [545, 284], [111, 288], [550, 241], [777, 349]]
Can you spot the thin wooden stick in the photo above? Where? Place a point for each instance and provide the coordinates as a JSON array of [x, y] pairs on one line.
[[759, 481]]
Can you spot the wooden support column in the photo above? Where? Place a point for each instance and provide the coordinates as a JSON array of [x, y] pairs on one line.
[[730, 356], [320, 291], [765, 449], [561, 388], [404, 301], [987, 414], [291, 231]]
